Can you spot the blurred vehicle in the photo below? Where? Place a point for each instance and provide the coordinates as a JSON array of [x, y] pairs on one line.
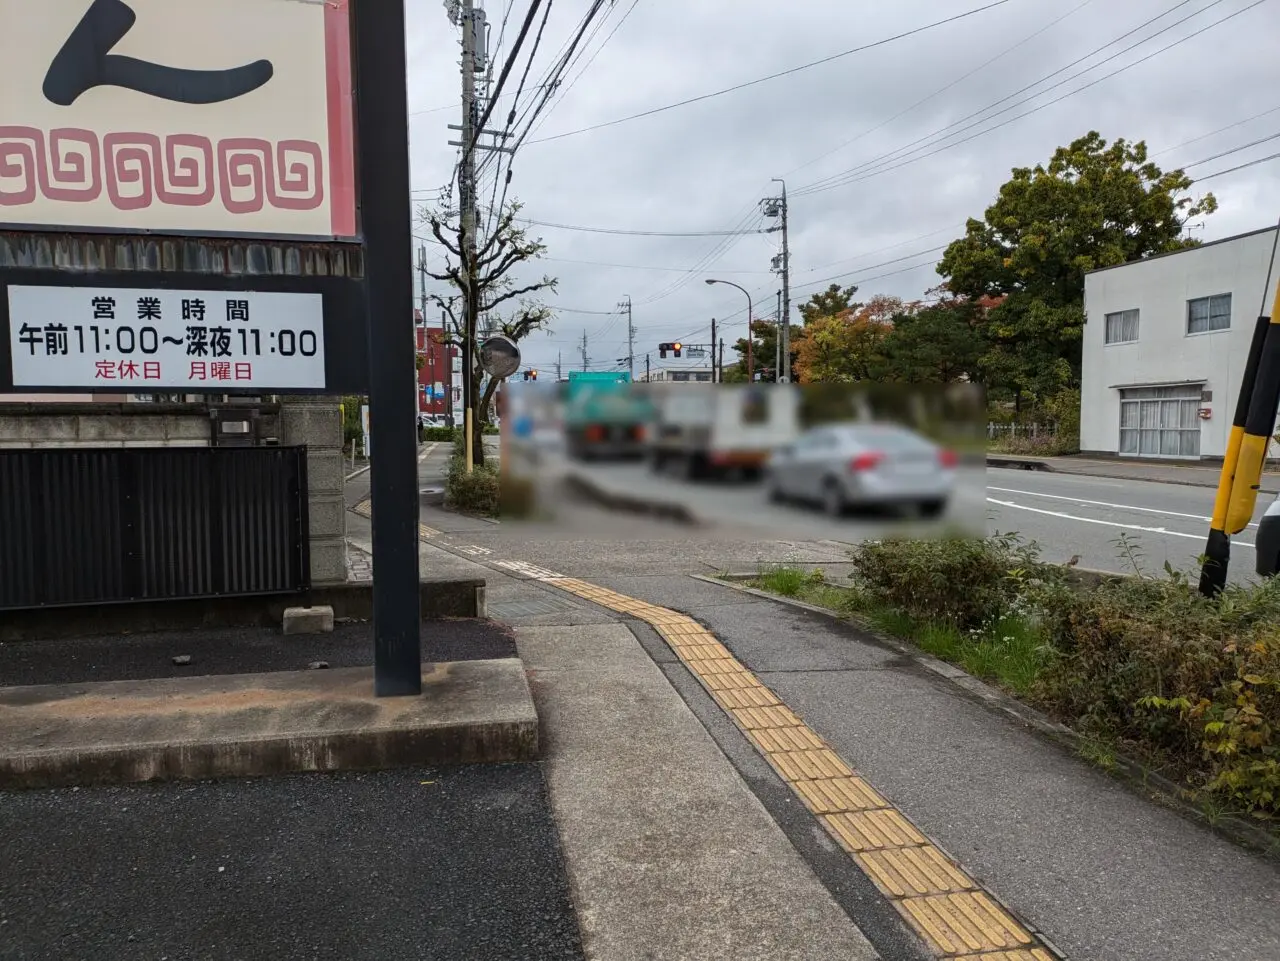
[[847, 466], [713, 431], [1267, 542], [604, 416]]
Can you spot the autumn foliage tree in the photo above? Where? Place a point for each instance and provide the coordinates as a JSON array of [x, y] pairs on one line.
[[847, 346]]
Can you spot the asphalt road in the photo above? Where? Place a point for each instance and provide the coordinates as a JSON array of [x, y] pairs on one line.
[[1095, 517], [429, 864], [744, 510]]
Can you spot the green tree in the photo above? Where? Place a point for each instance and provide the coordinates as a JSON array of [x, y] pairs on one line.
[[828, 303], [1094, 205], [939, 344]]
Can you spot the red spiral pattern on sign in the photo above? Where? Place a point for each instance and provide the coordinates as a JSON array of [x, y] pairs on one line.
[[74, 169], [192, 179], [301, 178], [131, 162], [139, 170], [21, 159]]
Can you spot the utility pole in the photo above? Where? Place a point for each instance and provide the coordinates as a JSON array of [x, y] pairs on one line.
[[558, 356], [646, 368], [631, 338], [713, 351], [465, 14], [777, 343], [583, 350], [713, 347], [777, 207]]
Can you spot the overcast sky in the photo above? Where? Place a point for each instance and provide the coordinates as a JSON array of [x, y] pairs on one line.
[[705, 166]]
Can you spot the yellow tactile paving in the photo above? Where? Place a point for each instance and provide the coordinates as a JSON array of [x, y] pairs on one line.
[[942, 904], [872, 830], [817, 765], [904, 872], [785, 739], [964, 923], [839, 795], [741, 700]]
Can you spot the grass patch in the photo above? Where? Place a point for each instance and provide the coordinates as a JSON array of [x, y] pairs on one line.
[[1144, 667]]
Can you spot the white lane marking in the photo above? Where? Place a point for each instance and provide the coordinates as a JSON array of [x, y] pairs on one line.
[[1093, 520], [1122, 507], [474, 551]]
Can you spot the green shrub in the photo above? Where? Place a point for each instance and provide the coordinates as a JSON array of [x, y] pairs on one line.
[[965, 582], [475, 493], [436, 435], [1193, 681]]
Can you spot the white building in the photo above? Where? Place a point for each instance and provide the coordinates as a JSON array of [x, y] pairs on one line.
[[1165, 345], [680, 375]]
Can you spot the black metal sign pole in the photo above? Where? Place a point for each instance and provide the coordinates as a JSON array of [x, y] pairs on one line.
[[381, 112]]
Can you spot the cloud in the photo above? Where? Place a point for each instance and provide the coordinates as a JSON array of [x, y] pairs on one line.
[[705, 166]]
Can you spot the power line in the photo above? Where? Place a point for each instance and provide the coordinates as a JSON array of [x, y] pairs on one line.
[[942, 90], [942, 134], [775, 76], [506, 71], [1227, 153], [643, 233], [587, 65], [855, 175], [1212, 133], [1231, 170]]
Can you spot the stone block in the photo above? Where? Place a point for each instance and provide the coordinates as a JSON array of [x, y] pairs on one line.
[[328, 561], [326, 517], [188, 428], [326, 472], [308, 620], [316, 427]]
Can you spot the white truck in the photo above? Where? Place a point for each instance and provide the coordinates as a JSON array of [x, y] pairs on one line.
[[715, 431]]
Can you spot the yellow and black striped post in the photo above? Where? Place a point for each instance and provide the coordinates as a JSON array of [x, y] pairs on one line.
[[1251, 431]]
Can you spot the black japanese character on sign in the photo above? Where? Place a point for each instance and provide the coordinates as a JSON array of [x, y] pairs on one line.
[[55, 339], [237, 310], [193, 310], [104, 308], [197, 341], [148, 308], [85, 61], [31, 336], [220, 341]]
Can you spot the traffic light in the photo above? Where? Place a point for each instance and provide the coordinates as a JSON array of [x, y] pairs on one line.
[[674, 348]]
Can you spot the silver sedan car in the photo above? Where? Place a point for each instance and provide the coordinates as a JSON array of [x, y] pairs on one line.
[[846, 466]]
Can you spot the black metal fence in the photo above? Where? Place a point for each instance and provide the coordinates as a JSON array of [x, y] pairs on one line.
[[92, 526]]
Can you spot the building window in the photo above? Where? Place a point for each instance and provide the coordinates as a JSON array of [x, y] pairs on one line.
[[1122, 327], [1161, 421], [1205, 314]]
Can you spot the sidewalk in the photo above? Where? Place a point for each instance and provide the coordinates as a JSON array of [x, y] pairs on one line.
[[1098, 871], [1192, 475]]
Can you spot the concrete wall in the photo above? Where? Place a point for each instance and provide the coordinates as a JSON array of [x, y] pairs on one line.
[[316, 422], [313, 422], [59, 425], [1165, 354]]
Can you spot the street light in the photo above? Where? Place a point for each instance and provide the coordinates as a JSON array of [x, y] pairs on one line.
[[751, 367]]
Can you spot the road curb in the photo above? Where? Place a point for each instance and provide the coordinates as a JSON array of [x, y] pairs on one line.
[[1128, 771], [668, 510], [250, 725]]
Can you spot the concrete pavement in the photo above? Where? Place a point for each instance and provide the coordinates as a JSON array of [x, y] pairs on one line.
[[1093, 868]]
